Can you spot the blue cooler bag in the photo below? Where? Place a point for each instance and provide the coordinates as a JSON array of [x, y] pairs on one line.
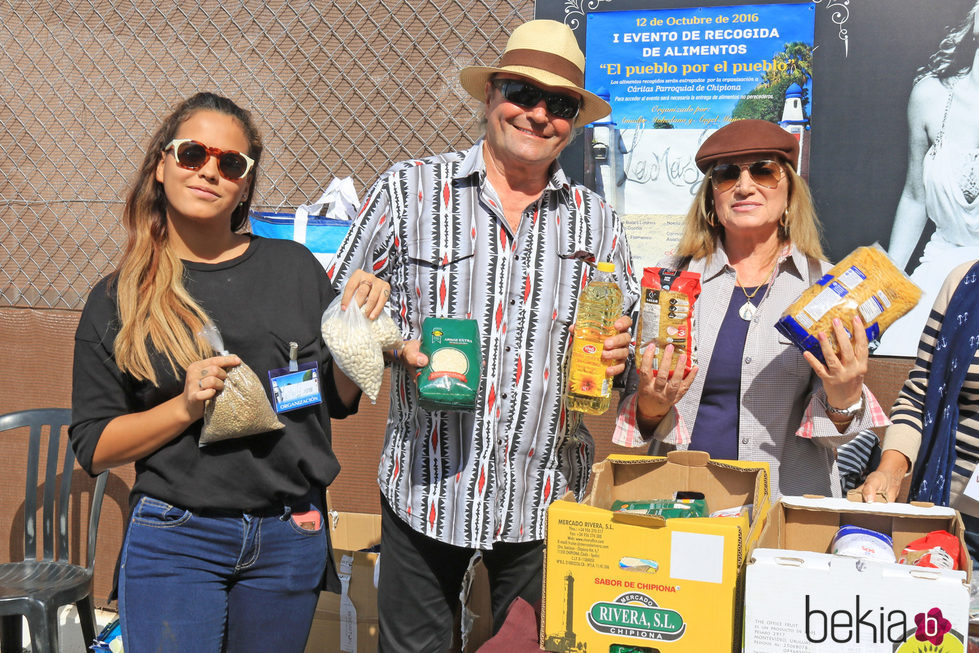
[[321, 234]]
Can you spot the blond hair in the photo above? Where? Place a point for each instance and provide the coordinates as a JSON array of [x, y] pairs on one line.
[[155, 309], [799, 226]]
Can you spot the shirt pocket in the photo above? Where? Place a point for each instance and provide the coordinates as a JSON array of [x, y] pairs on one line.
[[441, 277], [309, 347], [573, 274], [788, 359]]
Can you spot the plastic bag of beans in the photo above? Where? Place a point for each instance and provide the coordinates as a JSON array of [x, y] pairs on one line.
[[351, 340], [386, 332], [242, 408]]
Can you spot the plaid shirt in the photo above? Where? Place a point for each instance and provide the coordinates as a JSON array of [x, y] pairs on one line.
[[433, 229], [783, 418]]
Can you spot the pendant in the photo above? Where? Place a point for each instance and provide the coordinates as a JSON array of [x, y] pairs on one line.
[[747, 311]]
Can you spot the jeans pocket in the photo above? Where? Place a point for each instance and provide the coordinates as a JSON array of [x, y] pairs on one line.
[[309, 523], [159, 514]]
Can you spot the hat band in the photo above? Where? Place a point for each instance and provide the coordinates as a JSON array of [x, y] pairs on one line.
[[552, 63]]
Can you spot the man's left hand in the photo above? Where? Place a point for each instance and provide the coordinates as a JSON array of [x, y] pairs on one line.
[[617, 347]]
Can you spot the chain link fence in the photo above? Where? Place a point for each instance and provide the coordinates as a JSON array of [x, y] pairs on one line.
[[338, 89]]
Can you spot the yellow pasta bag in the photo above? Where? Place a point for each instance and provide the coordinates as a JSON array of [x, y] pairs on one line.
[[865, 282]]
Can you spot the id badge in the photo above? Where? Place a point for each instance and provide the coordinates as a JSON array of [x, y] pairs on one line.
[[298, 388]]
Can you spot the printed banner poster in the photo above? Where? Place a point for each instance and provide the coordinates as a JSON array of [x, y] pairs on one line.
[[673, 77]]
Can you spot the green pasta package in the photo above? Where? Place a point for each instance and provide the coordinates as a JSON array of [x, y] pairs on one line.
[[450, 380]]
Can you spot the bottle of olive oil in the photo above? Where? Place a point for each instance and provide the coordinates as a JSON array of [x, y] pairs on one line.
[[589, 389]]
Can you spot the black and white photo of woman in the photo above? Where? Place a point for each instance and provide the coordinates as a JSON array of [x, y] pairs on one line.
[[942, 179]]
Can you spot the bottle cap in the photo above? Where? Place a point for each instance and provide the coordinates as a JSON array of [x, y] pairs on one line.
[[606, 267]]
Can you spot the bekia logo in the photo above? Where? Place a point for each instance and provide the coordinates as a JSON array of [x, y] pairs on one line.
[[876, 624], [636, 615]]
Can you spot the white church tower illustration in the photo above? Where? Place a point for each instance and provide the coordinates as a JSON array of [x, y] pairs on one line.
[[795, 122]]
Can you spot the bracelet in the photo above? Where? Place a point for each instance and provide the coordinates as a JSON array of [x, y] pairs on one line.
[[847, 412], [394, 354]]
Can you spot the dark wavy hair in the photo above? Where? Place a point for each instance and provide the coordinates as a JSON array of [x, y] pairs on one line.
[[956, 52]]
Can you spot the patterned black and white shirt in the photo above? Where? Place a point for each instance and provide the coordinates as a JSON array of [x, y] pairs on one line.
[[433, 228]]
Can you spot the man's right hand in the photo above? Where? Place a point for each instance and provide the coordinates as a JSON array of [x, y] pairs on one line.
[[411, 357]]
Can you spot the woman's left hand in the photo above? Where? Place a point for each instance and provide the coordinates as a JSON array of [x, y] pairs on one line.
[[616, 350], [843, 372]]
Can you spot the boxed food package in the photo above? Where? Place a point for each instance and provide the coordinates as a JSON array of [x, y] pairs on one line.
[[347, 622], [865, 282], [619, 580], [666, 314], [450, 380], [800, 597]]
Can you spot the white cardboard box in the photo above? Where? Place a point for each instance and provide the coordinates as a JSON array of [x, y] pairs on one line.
[[800, 599]]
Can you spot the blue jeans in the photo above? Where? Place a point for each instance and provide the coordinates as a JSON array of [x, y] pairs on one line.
[[220, 582]]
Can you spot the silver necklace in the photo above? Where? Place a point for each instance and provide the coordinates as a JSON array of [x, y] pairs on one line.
[[748, 310]]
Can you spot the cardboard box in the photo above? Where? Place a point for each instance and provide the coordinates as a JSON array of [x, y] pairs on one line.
[[347, 622], [671, 585], [799, 597]]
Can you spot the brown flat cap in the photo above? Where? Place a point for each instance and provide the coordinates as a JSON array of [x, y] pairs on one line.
[[747, 137]]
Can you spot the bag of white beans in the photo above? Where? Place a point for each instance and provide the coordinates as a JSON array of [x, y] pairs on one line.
[[386, 332], [354, 346]]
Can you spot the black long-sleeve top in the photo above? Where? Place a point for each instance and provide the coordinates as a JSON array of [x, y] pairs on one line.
[[271, 295]]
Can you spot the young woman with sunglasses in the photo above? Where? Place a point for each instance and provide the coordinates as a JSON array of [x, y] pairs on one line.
[[226, 548], [752, 235]]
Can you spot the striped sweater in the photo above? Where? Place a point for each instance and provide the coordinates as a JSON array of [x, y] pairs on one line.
[[904, 434]]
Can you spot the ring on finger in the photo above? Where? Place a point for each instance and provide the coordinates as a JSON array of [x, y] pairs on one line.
[[199, 386]]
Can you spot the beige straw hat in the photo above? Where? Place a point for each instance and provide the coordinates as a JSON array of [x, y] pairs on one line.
[[546, 52]]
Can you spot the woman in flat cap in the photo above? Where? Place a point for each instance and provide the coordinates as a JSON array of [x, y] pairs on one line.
[[753, 236]]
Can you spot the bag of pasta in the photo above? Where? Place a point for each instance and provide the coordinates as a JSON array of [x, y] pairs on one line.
[[865, 282], [450, 380], [666, 314], [240, 409]]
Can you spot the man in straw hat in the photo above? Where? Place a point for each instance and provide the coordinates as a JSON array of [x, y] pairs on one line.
[[496, 233]]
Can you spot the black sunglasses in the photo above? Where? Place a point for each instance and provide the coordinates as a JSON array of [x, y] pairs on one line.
[[528, 96], [764, 173]]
